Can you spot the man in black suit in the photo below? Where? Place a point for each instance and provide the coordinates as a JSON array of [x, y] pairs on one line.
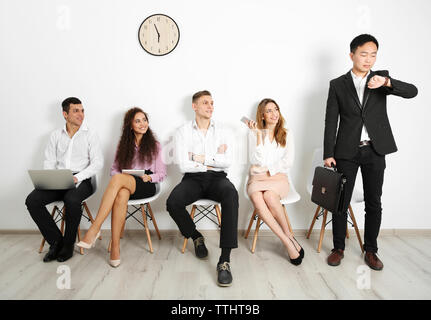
[[362, 139]]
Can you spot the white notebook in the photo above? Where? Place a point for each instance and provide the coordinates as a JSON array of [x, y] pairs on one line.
[[134, 172]]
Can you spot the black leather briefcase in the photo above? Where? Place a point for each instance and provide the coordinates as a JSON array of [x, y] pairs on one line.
[[328, 189]]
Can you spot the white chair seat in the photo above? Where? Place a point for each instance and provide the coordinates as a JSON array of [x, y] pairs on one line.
[[292, 197], [357, 196], [205, 202], [136, 202], [309, 189]]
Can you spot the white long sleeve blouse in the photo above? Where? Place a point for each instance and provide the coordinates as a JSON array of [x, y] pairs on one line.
[[275, 158]]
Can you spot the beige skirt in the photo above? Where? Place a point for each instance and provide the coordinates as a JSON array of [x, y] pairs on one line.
[[264, 182]]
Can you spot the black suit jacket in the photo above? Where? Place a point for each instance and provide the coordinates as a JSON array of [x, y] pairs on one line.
[[343, 105]]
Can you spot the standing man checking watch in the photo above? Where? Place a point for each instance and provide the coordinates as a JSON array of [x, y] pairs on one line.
[[358, 135]]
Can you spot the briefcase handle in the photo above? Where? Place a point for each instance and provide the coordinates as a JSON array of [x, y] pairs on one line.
[[335, 170], [332, 167]]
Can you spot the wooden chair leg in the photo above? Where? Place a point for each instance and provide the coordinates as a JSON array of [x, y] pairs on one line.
[[184, 245], [217, 209], [250, 224], [154, 221], [81, 250], [288, 221], [62, 220], [42, 245], [356, 228], [312, 222], [347, 231], [89, 215], [147, 231], [43, 239], [192, 215], [256, 231], [322, 230]]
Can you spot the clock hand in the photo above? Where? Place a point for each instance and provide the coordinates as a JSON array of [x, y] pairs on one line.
[[158, 34]]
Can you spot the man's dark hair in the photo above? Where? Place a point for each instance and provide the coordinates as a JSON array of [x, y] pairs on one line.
[[361, 40], [199, 94], [67, 102]]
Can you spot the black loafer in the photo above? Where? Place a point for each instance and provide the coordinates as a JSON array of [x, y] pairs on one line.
[[200, 249], [53, 251], [224, 276], [65, 253]]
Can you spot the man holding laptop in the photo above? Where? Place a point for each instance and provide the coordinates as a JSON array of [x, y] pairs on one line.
[[73, 147]]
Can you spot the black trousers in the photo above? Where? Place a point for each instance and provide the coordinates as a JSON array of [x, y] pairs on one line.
[[372, 169], [206, 185], [36, 204]]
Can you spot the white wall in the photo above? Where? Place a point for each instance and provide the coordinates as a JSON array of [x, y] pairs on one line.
[[242, 51]]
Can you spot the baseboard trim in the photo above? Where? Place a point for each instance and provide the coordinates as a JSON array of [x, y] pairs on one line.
[[241, 232]]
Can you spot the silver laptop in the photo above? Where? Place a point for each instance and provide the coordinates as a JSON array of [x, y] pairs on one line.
[[60, 179]]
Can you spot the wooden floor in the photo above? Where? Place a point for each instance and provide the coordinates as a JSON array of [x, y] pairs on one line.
[[169, 274]]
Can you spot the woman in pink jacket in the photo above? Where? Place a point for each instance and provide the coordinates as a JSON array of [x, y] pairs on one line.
[[137, 149]]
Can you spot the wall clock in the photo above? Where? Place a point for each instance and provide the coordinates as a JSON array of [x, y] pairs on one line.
[[159, 34]]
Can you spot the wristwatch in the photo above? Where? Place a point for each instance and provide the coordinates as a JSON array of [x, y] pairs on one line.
[[386, 81]]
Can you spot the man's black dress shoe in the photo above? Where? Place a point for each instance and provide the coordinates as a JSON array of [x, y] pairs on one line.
[[66, 252], [224, 276], [53, 251], [200, 249]]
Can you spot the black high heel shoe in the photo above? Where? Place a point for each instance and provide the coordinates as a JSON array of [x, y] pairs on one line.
[[301, 252]]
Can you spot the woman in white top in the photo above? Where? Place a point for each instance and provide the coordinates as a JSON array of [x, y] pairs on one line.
[[271, 156]]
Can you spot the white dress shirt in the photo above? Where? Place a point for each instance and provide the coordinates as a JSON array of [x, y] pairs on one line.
[[360, 84], [81, 153], [275, 158], [190, 139]]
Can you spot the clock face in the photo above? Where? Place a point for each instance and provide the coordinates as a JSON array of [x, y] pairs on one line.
[[159, 34]]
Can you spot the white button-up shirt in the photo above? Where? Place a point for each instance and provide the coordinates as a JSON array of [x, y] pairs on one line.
[[190, 139], [360, 84], [275, 158], [81, 153]]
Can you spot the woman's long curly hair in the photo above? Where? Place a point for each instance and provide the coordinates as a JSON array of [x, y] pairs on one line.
[[280, 131], [126, 147]]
